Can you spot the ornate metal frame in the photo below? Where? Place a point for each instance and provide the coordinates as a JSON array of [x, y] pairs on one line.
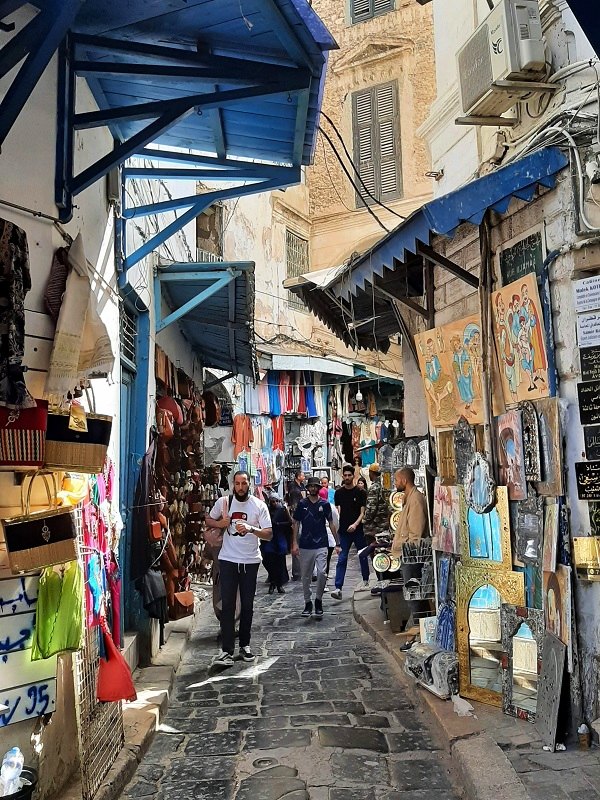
[[487, 502], [446, 461], [533, 506], [511, 587], [412, 455], [464, 447], [511, 619], [502, 508], [531, 441]]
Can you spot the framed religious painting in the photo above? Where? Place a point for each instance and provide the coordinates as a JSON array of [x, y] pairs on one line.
[[480, 487], [484, 539], [520, 341], [551, 527], [451, 364], [548, 413], [445, 457], [511, 461], [447, 517], [523, 633], [531, 442]]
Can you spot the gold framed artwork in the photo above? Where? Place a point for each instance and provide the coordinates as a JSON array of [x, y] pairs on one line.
[[485, 538], [557, 603], [520, 341], [450, 360], [511, 461], [480, 593]]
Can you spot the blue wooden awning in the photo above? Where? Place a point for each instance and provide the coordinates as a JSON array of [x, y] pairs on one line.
[[213, 304], [349, 298]]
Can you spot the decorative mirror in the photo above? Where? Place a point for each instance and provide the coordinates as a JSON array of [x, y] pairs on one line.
[[464, 448], [523, 634], [480, 594], [424, 451], [530, 530], [446, 458], [531, 442], [399, 455], [480, 487], [485, 538], [412, 455]]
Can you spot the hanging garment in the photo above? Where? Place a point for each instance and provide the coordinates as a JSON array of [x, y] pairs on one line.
[[301, 407], [15, 282], [278, 424], [355, 438], [82, 345], [285, 393], [274, 402], [251, 403], [263, 396], [59, 612], [114, 587], [241, 434], [295, 391], [311, 405], [347, 442], [371, 404], [345, 400], [319, 401], [257, 435]]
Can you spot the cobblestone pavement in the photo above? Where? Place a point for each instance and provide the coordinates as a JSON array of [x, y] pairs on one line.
[[320, 715]]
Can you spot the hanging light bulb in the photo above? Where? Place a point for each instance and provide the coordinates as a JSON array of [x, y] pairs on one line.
[[359, 395]]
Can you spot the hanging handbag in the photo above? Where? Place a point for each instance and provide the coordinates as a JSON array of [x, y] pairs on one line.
[[77, 450], [37, 539], [183, 605], [114, 674], [23, 435]]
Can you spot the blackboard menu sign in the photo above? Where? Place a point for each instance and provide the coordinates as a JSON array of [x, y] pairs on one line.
[[592, 442], [589, 402], [590, 363], [521, 258], [588, 480]]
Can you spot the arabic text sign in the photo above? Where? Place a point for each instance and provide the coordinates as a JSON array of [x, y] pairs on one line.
[[588, 329], [587, 294], [590, 363], [588, 480], [589, 402], [591, 434]]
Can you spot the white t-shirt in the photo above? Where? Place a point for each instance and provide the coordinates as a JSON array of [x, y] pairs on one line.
[[336, 518], [236, 548]]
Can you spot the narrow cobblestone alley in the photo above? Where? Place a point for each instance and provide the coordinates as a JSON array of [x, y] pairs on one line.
[[321, 714]]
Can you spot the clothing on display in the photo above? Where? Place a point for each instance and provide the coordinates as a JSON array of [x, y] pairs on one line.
[[241, 434], [59, 611]]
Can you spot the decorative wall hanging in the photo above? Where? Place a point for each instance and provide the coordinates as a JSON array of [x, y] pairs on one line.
[[550, 689], [399, 455], [484, 539], [480, 487], [511, 463], [509, 588], [464, 448], [522, 630], [551, 513], [586, 555], [531, 442], [548, 412], [530, 530], [520, 341], [447, 516], [412, 454], [450, 360], [446, 458]]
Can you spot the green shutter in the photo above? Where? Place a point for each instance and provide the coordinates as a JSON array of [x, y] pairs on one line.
[[389, 142], [366, 9]]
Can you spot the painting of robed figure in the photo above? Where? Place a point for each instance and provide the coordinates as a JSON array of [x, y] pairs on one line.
[[520, 341], [450, 361]]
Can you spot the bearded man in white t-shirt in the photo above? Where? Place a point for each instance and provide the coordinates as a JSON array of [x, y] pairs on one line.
[[244, 520]]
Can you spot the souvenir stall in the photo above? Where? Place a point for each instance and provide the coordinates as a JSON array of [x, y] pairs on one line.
[[499, 521], [60, 582]]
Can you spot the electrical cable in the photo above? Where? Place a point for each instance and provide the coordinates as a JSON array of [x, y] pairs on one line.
[[347, 173], [355, 168], [333, 183]]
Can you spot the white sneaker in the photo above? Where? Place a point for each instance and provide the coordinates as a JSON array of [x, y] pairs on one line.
[[246, 654], [223, 660], [362, 586], [326, 589], [336, 594]]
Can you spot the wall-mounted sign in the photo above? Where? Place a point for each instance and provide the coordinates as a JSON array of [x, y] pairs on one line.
[[589, 358], [521, 258], [591, 435], [588, 480], [588, 329], [589, 402], [586, 555], [587, 294]]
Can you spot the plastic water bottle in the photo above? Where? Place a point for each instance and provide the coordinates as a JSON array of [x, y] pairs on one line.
[[10, 774]]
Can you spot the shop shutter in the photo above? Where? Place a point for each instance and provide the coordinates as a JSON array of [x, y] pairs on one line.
[[365, 9], [376, 143]]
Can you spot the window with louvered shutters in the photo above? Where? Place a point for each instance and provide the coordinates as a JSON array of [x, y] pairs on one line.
[[366, 9], [376, 128]]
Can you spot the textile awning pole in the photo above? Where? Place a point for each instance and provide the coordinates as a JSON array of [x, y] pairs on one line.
[[485, 288]]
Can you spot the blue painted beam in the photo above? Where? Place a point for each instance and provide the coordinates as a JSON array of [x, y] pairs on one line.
[[195, 275], [237, 169], [198, 266], [285, 34], [200, 298], [197, 208], [58, 16], [21, 43], [218, 129], [300, 129], [63, 170], [207, 100]]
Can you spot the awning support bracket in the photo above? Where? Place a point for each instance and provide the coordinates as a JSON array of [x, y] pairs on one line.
[[219, 283], [441, 261]]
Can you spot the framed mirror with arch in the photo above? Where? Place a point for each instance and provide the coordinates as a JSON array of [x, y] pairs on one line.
[[485, 538], [523, 632], [480, 594]]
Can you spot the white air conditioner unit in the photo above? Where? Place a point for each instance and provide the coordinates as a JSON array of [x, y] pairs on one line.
[[507, 48]]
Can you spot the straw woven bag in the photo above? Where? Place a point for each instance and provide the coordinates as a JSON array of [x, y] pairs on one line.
[[37, 539], [77, 450]]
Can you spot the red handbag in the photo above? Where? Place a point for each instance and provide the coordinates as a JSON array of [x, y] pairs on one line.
[[114, 676], [23, 435]]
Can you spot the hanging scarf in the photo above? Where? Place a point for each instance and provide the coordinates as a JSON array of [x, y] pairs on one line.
[[82, 346]]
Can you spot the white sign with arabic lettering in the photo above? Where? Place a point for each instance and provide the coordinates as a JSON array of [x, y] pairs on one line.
[[588, 329], [587, 294]]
